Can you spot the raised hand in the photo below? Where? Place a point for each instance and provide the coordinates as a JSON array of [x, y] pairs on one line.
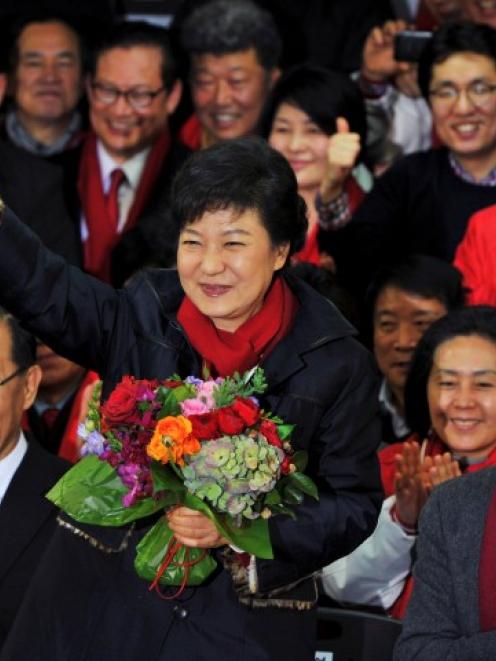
[[439, 469], [342, 152], [409, 485], [378, 63], [194, 529]]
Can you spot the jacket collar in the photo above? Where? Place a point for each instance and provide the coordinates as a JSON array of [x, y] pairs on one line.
[[317, 322]]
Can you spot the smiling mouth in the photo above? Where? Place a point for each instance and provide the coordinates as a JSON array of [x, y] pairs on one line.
[[464, 424], [214, 291]]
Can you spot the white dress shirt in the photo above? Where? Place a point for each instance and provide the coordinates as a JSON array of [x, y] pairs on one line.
[[10, 463], [132, 168]]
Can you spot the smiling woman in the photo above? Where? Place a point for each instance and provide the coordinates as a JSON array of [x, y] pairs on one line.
[[230, 307]]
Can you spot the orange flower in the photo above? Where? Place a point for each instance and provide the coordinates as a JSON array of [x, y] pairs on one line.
[[172, 439]]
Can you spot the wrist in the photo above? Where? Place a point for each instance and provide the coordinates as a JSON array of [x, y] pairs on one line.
[[408, 527]]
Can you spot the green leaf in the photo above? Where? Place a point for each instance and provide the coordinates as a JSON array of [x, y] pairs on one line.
[[164, 479], [304, 483], [272, 498], [253, 537], [300, 460], [151, 551], [92, 492], [292, 495], [170, 405], [285, 431]]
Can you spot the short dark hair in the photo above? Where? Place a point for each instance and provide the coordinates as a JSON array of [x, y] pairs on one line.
[[420, 275], [229, 26], [450, 39], [130, 34], [478, 320], [322, 94], [241, 174], [17, 27], [23, 343]]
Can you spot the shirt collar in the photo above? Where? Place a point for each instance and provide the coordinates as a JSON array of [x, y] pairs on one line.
[[132, 167], [21, 138], [10, 464], [398, 423], [459, 170]]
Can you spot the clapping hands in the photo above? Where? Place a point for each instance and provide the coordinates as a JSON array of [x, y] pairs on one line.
[[415, 478]]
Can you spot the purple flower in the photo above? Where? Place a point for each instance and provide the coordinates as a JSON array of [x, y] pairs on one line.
[[93, 444]]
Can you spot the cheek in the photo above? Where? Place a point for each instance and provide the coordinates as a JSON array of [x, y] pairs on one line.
[[202, 97], [382, 351]]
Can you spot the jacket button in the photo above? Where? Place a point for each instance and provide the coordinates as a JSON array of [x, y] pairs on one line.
[[180, 612]]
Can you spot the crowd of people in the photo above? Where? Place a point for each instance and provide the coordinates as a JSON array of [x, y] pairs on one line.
[[191, 198]]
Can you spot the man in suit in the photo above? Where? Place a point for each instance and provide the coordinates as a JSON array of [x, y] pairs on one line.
[[128, 159], [27, 472]]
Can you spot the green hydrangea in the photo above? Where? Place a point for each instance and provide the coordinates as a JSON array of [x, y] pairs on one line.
[[233, 472]]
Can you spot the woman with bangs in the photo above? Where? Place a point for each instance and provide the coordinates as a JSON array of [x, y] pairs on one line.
[[316, 119]]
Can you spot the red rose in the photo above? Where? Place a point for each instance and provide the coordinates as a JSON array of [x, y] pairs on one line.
[[286, 466], [121, 405], [171, 383], [205, 426], [229, 421], [269, 430], [247, 410]]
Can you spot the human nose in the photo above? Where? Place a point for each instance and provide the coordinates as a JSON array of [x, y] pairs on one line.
[[222, 93], [121, 105], [49, 71], [464, 396], [406, 338], [212, 262], [295, 142], [463, 102]]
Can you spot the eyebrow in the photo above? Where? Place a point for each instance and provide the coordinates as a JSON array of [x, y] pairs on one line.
[[451, 83], [229, 231], [451, 372], [34, 53]]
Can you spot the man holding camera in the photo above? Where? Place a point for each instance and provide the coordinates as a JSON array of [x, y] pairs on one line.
[[422, 204]]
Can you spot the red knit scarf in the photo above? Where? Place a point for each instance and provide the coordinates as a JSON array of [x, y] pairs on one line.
[[102, 235], [228, 352]]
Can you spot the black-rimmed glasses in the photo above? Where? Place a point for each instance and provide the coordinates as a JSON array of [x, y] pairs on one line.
[[137, 98], [18, 371]]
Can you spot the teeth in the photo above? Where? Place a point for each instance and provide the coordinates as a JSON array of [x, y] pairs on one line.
[[464, 424], [487, 4], [225, 117], [466, 128]]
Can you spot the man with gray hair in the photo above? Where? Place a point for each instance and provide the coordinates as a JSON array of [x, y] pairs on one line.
[[234, 49]]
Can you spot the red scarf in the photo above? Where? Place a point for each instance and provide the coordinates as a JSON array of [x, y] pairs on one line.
[[310, 251], [102, 235], [190, 133], [487, 571], [236, 352]]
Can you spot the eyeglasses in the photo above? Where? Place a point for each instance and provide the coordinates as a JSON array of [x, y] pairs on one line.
[[13, 375], [137, 98], [479, 93]]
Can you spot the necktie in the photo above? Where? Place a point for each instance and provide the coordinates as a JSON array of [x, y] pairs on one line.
[[112, 198], [48, 417]]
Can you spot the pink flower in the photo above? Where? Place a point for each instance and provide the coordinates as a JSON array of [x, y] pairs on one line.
[[193, 407], [204, 392]]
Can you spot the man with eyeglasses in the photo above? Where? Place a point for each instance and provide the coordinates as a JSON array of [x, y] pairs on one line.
[[127, 160], [27, 472], [423, 203]]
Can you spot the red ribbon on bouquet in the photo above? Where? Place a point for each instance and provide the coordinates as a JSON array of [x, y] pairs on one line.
[[174, 547]]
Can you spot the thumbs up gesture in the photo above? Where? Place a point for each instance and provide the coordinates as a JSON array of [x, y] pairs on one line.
[[342, 153]]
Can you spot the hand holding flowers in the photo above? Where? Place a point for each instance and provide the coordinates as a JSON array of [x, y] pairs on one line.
[[204, 450]]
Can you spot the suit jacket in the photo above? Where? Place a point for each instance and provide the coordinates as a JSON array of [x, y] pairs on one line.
[[27, 521], [442, 620], [33, 188]]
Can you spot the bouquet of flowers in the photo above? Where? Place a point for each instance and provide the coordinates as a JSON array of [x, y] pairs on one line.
[[205, 444]]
